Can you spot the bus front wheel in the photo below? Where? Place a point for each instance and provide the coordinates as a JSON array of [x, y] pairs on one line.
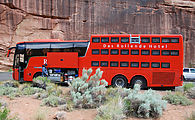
[[119, 81], [140, 81]]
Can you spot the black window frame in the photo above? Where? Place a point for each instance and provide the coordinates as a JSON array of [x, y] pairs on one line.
[[122, 50], [155, 38], [155, 63], [105, 38], [123, 63], [155, 54], [174, 51], [105, 50], [122, 38], [145, 63], [95, 41], [131, 63], [95, 50], [135, 50], [145, 50], [101, 62], [95, 65], [113, 50], [163, 63], [148, 38], [162, 52], [117, 38], [111, 63]]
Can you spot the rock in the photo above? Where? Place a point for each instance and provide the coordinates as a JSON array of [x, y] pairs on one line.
[[191, 93], [60, 115], [26, 20]]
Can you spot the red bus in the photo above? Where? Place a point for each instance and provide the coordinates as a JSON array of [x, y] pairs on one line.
[[126, 59]]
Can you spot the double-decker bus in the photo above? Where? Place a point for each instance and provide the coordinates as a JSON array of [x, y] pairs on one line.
[[126, 59]]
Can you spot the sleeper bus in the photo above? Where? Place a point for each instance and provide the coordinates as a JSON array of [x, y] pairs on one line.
[[126, 59]]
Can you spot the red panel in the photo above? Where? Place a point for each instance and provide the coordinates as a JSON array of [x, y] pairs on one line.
[[62, 59]]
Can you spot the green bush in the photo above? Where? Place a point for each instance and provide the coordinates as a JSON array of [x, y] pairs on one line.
[[112, 110], [188, 86], [31, 90], [192, 116], [53, 101], [4, 114], [177, 99], [88, 92], [144, 105]]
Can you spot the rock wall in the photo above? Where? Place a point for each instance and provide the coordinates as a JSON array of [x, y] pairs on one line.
[[25, 20]]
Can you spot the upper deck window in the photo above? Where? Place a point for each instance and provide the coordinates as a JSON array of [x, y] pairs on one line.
[[165, 40], [145, 40], [124, 64], [134, 64], [135, 40], [175, 52], [155, 65], [114, 39], [113, 64], [105, 39], [155, 40], [104, 63], [155, 52], [95, 51], [94, 63], [174, 40], [145, 64], [165, 52], [96, 40], [145, 52], [124, 39], [134, 52]]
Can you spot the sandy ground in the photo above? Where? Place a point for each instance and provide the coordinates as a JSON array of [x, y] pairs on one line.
[[26, 108]]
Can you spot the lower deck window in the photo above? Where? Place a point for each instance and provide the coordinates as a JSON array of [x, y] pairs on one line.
[[165, 65], [124, 64], [145, 64], [113, 64], [95, 63], [134, 64], [104, 63], [155, 65]]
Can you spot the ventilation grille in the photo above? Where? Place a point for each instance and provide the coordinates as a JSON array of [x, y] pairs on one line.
[[164, 78]]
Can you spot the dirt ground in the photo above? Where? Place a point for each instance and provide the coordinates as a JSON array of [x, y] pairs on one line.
[[26, 108]]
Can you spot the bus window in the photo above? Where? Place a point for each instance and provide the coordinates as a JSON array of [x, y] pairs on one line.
[[155, 52], [145, 52], [96, 40], [145, 40], [134, 52], [145, 64], [125, 52], [165, 40], [174, 40], [104, 39], [124, 64], [175, 52], [155, 65], [124, 39], [94, 63], [113, 64], [165, 52], [104, 51], [95, 51], [114, 39], [104, 63], [155, 40], [165, 65], [134, 64], [114, 52]]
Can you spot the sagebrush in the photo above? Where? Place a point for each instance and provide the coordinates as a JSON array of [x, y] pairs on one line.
[[88, 91]]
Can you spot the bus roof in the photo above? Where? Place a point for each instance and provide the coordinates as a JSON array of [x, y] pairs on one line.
[[114, 35], [51, 40]]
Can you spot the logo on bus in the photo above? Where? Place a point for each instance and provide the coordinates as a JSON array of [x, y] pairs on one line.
[[133, 46], [45, 61]]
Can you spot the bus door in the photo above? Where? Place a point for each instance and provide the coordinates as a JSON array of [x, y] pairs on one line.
[[18, 68]]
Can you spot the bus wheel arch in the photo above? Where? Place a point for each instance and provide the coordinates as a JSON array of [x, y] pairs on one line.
[[37, 74], [139, 79], [119, 80]]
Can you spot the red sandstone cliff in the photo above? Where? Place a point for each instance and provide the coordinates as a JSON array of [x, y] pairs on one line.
[[22, 20]]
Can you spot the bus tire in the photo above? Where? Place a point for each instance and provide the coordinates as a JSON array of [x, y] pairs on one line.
[[139, 80], [119, 81]]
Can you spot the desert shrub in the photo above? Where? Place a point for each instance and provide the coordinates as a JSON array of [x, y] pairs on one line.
[[192, 116], [53, 89], [144, 105], [112, 110], [88, 92], [53, 101], [12, 83], [31, 90], [177, 98], [10, 92], [188, 86], [40, 115], [4, 114], [40, 82]]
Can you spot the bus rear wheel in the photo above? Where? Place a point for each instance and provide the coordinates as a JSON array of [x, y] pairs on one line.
[[140, 81], [119, 81]]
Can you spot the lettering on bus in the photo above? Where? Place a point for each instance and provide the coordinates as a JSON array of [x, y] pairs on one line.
[[133, 46]]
